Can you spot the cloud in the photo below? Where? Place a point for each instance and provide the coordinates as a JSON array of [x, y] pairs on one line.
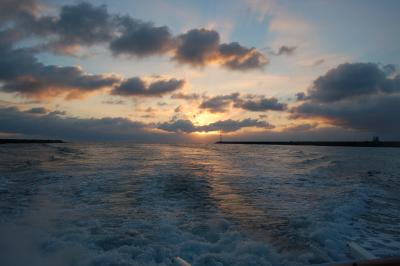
[[114, 102], [359, 96], [11, 9], [180, 125], [199, 47], [141, 39], [352, 80], [379, 114], [84, 24], [56, 126], [286, 50], [20, 72], [57, 112], [162, 87], [37, 110], [259, 103], [237, 57], [138, 87], [80, 24], [253, 103], [301, 96], [220, 103], [49, 125], [184, 96], [300, 133], [233, 125], [301, 127], [229, 125]]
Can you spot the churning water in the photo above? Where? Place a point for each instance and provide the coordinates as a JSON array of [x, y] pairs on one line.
[[127, 204]]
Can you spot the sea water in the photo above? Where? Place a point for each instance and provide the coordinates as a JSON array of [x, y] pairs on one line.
[[129, 204]]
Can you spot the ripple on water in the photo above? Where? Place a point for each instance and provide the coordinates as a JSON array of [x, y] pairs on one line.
[[114, 204]]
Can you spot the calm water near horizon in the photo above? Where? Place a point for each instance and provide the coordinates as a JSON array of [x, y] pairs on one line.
[[130, 204]]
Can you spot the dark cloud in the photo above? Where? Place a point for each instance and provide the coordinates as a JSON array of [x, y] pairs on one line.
[[199, 47], [57, 112], [162, 87], [14, 121], [233, 125], [141, 39], [116, 102], [20, 72], [252, 60], [137, 87], [352, 80], [253, 103], [286, 50], [259, 103], [301, 127], [184, 96], [306, 133], [80, 24], [180, 125], [53, 126], [301, 96], [84, 24], [9, 36], [359, 96], [238, 57], [229, 125], [11, 9], [37, 110], [378, 114], [220, 103], [131, 87]]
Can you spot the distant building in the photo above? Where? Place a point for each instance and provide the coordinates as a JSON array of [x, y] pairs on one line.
[[375, 139]]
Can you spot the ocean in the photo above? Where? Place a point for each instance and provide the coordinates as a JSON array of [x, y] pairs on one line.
[[129, 204]]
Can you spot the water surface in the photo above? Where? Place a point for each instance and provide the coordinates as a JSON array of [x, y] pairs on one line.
[[128, 204]]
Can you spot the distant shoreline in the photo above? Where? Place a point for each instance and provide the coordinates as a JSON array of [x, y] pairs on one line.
[[26, 141], [393, 144]]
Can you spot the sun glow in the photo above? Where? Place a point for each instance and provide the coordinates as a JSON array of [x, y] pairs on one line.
[[205, 118], [204, 133]]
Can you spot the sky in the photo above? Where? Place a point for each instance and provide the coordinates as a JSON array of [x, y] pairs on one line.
[[159, 71]]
